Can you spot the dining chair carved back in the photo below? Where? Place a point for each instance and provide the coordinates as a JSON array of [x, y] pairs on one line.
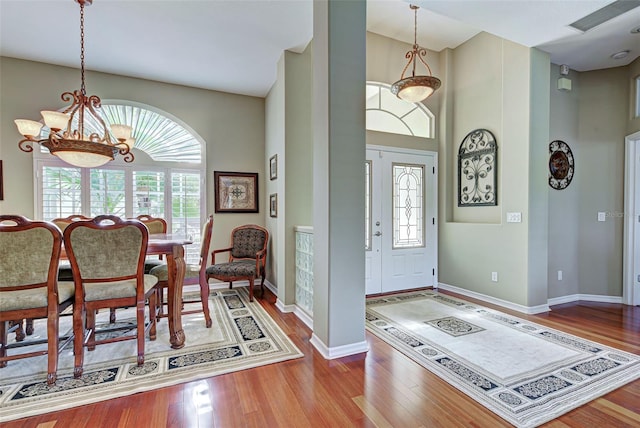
[[107, 258], [29, 289], [247, 257], [194, 274]]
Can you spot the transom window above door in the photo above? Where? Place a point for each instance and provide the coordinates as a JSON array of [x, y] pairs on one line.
[[388, 113]]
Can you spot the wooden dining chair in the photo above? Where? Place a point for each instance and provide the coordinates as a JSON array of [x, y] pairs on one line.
[[107, 258], [155, 225], [29, 289], [194, 274], [64, 274], [247, 257]]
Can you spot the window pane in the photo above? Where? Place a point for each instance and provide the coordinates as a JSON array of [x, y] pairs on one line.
[[408, 206], [61, 192], [382, 121], [185, 206], [148, 193], [107, 192]]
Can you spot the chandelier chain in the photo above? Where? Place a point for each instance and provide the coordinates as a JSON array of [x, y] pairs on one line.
[[82, 87]]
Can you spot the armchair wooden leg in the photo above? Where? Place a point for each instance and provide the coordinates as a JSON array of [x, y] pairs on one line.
[[52, 349], [204, 297], [251, 289]]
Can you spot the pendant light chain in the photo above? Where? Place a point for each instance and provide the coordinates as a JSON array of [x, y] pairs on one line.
[[82, 87]]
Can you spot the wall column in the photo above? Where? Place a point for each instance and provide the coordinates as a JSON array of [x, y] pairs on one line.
[[339, 80]]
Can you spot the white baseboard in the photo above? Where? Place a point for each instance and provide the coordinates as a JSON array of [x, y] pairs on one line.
[[338, 351], [585, 298], [529, 310]]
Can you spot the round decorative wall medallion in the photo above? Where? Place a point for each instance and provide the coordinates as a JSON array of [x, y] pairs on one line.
[[561, 165]]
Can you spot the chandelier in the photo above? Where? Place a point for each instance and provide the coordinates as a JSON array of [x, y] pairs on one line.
[[70, 136], [415, 88]]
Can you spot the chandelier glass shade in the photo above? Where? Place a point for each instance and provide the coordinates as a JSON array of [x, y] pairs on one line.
[[70, 137], [415, 88]]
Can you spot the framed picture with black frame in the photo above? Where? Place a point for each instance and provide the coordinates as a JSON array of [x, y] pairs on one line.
[[273, 205], [273, 167], [236, 192]]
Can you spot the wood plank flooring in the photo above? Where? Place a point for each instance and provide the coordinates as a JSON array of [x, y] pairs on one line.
[[382, 388]]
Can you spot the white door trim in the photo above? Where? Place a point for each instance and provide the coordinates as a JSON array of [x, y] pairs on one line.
[[631, 226], [435, 192]]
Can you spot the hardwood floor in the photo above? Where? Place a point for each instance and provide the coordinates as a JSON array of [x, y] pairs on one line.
[[382, 388]]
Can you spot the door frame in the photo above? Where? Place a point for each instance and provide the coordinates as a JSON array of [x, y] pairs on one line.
[[408, 151], [631, 267]]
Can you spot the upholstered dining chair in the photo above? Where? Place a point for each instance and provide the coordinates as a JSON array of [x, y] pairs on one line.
[[155, 225], [29, 255], [107, 258], [247, 257], [194, 274], [64, 274]]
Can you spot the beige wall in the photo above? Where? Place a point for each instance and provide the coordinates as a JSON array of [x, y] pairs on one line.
[[634, 116], [289, 136], [602, 122], [232, 126], [564, 208], [490, 86]]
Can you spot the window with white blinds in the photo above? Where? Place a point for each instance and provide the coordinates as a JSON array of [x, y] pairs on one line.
[[107, 192], [61, 191], [148, 193]]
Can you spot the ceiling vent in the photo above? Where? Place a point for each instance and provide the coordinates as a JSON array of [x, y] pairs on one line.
[[608, 12]]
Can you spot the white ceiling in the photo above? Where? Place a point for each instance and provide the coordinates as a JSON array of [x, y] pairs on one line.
[[234, 45]]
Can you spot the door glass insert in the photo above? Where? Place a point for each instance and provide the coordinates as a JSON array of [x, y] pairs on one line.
[[367, 206], [408, 205]]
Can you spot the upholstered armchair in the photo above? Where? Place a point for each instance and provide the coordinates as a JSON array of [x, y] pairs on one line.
[[247, 257], [194, 274], [29, 289], [107, 258]]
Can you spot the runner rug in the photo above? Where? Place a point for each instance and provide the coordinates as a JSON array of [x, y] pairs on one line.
[[243, 336], [526, 373]]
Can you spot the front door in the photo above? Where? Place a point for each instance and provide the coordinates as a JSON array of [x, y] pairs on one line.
[[401, 232]]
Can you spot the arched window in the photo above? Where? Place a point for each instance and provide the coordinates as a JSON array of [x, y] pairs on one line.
[[388, 113], [165, 180]]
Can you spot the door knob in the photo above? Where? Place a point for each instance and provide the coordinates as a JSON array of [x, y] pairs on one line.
[[378, 233]]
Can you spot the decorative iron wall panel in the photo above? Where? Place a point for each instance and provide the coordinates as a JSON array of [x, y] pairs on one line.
[[478, 169]]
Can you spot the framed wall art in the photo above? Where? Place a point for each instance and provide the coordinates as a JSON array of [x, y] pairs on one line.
[[236, 192], [273, 167], [478, 170], [273, 205], [561, 165]]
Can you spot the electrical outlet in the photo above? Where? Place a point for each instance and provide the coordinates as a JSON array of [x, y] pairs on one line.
[[559, 275], [494, 276]]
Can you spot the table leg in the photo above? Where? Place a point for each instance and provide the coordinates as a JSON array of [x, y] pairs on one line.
[[176, 267]]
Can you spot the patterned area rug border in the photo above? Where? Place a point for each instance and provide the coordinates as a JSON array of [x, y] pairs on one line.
[[525, 401], [251, 339]]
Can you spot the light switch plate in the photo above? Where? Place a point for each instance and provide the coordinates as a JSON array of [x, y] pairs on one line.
[[514, 217], [602, 216]]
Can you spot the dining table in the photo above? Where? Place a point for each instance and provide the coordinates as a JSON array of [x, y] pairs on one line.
[[172, 247]]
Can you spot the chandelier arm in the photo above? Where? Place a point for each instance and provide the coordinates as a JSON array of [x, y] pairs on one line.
[[422, 52], [26, 144], [409, 55]]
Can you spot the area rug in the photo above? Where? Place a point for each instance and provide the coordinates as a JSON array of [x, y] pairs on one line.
[[243, 336], [526, 373]]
